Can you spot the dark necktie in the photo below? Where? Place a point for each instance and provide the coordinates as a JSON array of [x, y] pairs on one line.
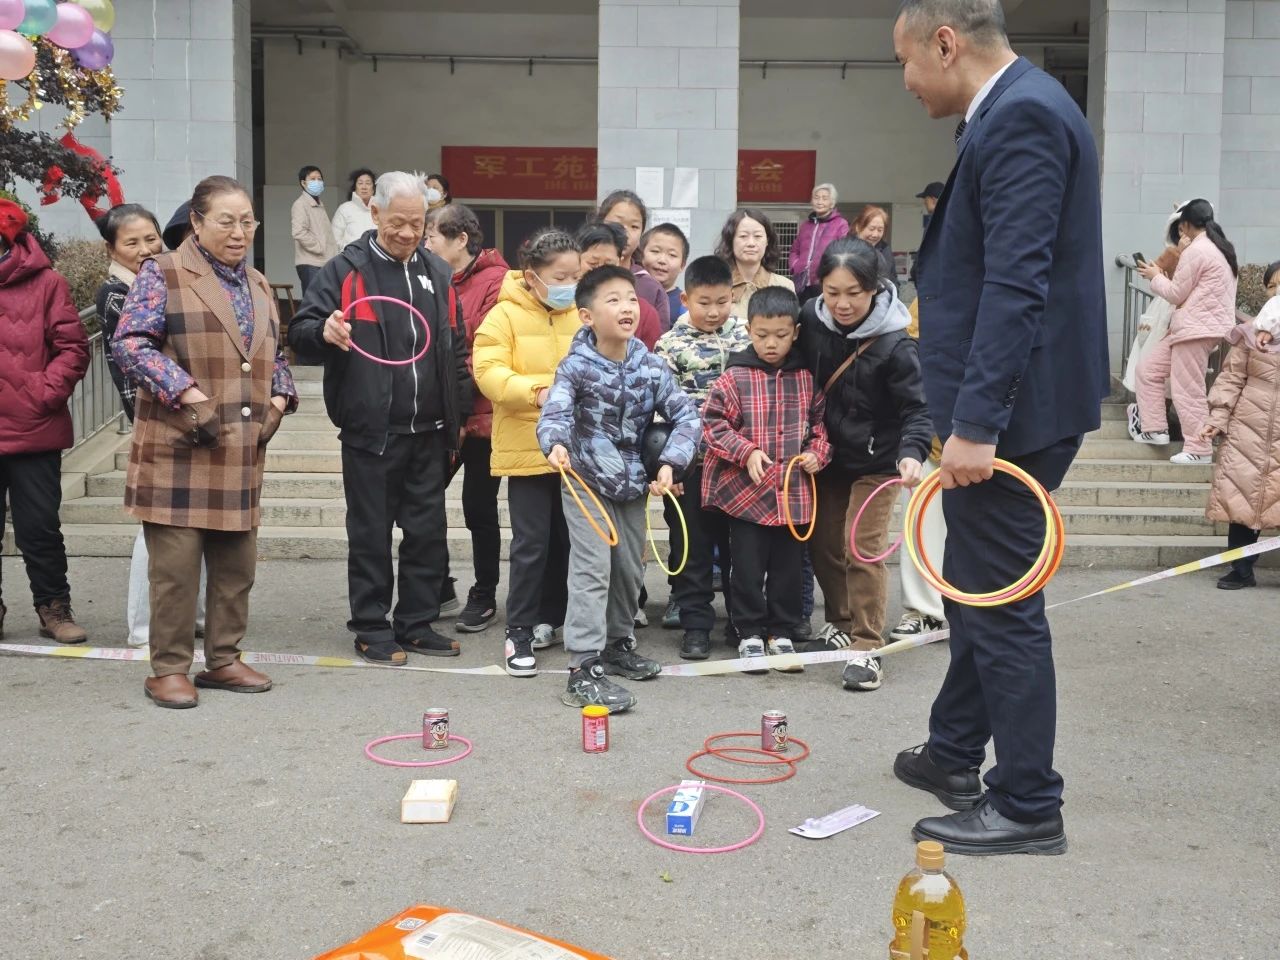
[[960, 129]]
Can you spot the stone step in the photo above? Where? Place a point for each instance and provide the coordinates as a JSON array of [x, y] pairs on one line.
[[1120, 494], [1110, 430], [1125, 449], [310, 389], [329, 543], [312, 441], [311, 419], [1152, 472], [321, 486], [308, 372]]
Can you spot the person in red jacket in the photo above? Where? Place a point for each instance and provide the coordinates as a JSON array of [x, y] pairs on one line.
[[43, 355], [454, 233]]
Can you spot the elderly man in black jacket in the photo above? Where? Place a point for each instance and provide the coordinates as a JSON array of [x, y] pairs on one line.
[[399, 424]]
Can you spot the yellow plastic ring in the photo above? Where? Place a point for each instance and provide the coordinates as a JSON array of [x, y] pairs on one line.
[[684, 530]]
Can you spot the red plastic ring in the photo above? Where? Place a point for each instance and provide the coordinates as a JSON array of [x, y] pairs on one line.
[[776, 757], [688, 764]]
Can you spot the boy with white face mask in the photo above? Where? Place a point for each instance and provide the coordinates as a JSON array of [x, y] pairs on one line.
[[313, 241]]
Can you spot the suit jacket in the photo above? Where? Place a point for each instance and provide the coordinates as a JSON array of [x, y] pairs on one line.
[[1014, 340]]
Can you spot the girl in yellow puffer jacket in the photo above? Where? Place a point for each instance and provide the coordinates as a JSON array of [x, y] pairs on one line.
[[516, 352]]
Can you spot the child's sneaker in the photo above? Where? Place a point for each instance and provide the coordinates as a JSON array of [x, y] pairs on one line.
[[671, 616], [752, 647], [544, 635], [520, 660], [481, 608], [1131, 415], [589, 686], [781, 646], [1185, 459], [831, 638], [914, 624], [1160, 439], [696, 645], [620, 659], [863, 674]]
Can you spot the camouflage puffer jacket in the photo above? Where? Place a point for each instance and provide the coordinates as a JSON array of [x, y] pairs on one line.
[[697, 357]]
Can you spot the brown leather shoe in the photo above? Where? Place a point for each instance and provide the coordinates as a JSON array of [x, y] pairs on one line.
[[235, 676], [57, 622], [174, 691]]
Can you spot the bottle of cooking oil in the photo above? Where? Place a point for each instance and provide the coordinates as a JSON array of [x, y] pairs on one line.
[[928, 911]]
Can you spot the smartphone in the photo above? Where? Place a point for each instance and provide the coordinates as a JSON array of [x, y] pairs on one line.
[[1139, 259]]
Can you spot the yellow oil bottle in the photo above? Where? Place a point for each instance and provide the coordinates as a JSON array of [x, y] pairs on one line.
[[928, 911]]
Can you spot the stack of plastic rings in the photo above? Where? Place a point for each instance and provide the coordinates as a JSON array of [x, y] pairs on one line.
[[611, 538], [684, 538], [786, 500], [709, 749], [1030, 583], [426, 345]]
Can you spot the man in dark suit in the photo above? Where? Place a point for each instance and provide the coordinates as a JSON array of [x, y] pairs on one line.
[[1013, 349]]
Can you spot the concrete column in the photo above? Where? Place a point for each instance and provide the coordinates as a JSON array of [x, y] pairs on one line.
[[1251, 130], [1156, 99], [668, 97], [186, 112]]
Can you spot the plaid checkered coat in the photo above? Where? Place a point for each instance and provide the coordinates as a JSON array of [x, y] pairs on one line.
[[202, 464], [754, 406]]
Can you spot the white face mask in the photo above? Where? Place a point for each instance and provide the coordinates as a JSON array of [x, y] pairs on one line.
[[434, 195]]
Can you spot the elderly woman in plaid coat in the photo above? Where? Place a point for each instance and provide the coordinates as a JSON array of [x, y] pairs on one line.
[[200, 337]]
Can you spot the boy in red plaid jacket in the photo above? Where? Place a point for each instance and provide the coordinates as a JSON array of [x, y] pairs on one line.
[[760, 415]]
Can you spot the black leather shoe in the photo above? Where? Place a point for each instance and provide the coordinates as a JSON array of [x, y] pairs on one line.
[[1235, 580], [985, 832], [958, 791]]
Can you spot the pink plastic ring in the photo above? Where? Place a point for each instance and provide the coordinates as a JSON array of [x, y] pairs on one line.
[[708, 786], [857, 517], [368, 751], [412, 309]]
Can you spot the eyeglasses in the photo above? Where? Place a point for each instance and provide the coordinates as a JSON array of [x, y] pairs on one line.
[[226, 224]]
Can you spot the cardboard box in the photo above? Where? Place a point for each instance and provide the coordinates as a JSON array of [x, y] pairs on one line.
[[685, 808], [429, 801]]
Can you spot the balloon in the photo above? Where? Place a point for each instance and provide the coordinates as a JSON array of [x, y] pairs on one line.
[[11, 13], [103, 13], [74, 27], [41, 15], [97, 53], [17, 56]]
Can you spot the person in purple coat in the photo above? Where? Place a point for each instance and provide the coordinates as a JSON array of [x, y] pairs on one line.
[[822, 226]]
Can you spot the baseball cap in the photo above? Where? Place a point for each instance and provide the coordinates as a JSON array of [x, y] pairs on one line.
[[932, 190]]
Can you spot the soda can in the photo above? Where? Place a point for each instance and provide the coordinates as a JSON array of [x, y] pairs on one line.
[[773, 731], [595, 729], [435, 729]]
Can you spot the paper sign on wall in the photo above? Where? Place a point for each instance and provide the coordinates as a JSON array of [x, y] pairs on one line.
[[650, 184], [684, 187], [680, 218]]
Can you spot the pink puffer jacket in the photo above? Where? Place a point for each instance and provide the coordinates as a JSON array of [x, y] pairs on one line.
[[1203, 291], [1245, 404]]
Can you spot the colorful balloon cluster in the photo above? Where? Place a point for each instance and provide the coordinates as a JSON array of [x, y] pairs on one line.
[[81, 26]]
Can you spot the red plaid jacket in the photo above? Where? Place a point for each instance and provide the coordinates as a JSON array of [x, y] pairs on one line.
[[757, 407]]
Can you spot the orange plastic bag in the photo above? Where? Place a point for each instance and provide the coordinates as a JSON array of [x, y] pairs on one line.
[[425, 932]]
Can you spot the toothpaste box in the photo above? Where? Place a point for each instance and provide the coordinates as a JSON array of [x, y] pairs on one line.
[[685, 808]]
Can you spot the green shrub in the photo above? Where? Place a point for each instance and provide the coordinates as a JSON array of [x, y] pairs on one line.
[[1250, 294], [84, 264]]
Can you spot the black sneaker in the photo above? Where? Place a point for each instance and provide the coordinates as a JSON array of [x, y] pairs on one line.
[[717, 581], [588, 686], [731, 637], [831, 638], [386, 653], [481, 608], [696, 645], [621, 660], [520, 661], [449, 602], [671, 616], [804, 632], [1235, 580], [431, 644], [863, 675]]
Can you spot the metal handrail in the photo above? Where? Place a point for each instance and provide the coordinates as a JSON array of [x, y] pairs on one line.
[[95, 403]]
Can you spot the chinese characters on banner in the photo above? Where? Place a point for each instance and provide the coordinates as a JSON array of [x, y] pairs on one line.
[[569, 173]]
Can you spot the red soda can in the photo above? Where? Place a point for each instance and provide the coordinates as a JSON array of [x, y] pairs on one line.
[[595, 729], [435, 729], [773, 731]]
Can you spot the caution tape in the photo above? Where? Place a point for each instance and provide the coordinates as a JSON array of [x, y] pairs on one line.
[[705, 669]]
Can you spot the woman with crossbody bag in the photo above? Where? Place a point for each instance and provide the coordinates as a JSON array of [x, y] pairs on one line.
[[854, 340]]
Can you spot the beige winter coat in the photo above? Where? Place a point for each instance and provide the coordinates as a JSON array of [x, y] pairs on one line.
[[1245, 403]]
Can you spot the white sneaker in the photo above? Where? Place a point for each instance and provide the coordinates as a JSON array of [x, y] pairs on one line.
[[544, 635], [1185, 459], [1153, 439], [752, 647], [914, 624], [642, 618], [781, 646], [1135, 425], [865, 675]]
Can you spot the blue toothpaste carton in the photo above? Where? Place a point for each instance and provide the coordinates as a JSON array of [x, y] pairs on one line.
[[685, 808]]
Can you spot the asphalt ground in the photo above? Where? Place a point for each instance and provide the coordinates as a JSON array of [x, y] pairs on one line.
[[254, 827]]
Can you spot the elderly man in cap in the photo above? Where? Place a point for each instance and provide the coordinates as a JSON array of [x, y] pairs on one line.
[[929, 198], [399, 424]]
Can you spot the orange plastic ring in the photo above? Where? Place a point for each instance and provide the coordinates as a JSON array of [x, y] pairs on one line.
[[786, 501], [611, 538]]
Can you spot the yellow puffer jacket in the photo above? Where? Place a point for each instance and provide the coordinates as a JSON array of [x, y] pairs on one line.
[[516, 352]]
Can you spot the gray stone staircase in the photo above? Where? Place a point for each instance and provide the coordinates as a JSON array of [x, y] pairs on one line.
[[1125, 505]]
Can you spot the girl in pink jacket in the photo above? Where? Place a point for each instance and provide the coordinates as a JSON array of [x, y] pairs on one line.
[[1203, 291]]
